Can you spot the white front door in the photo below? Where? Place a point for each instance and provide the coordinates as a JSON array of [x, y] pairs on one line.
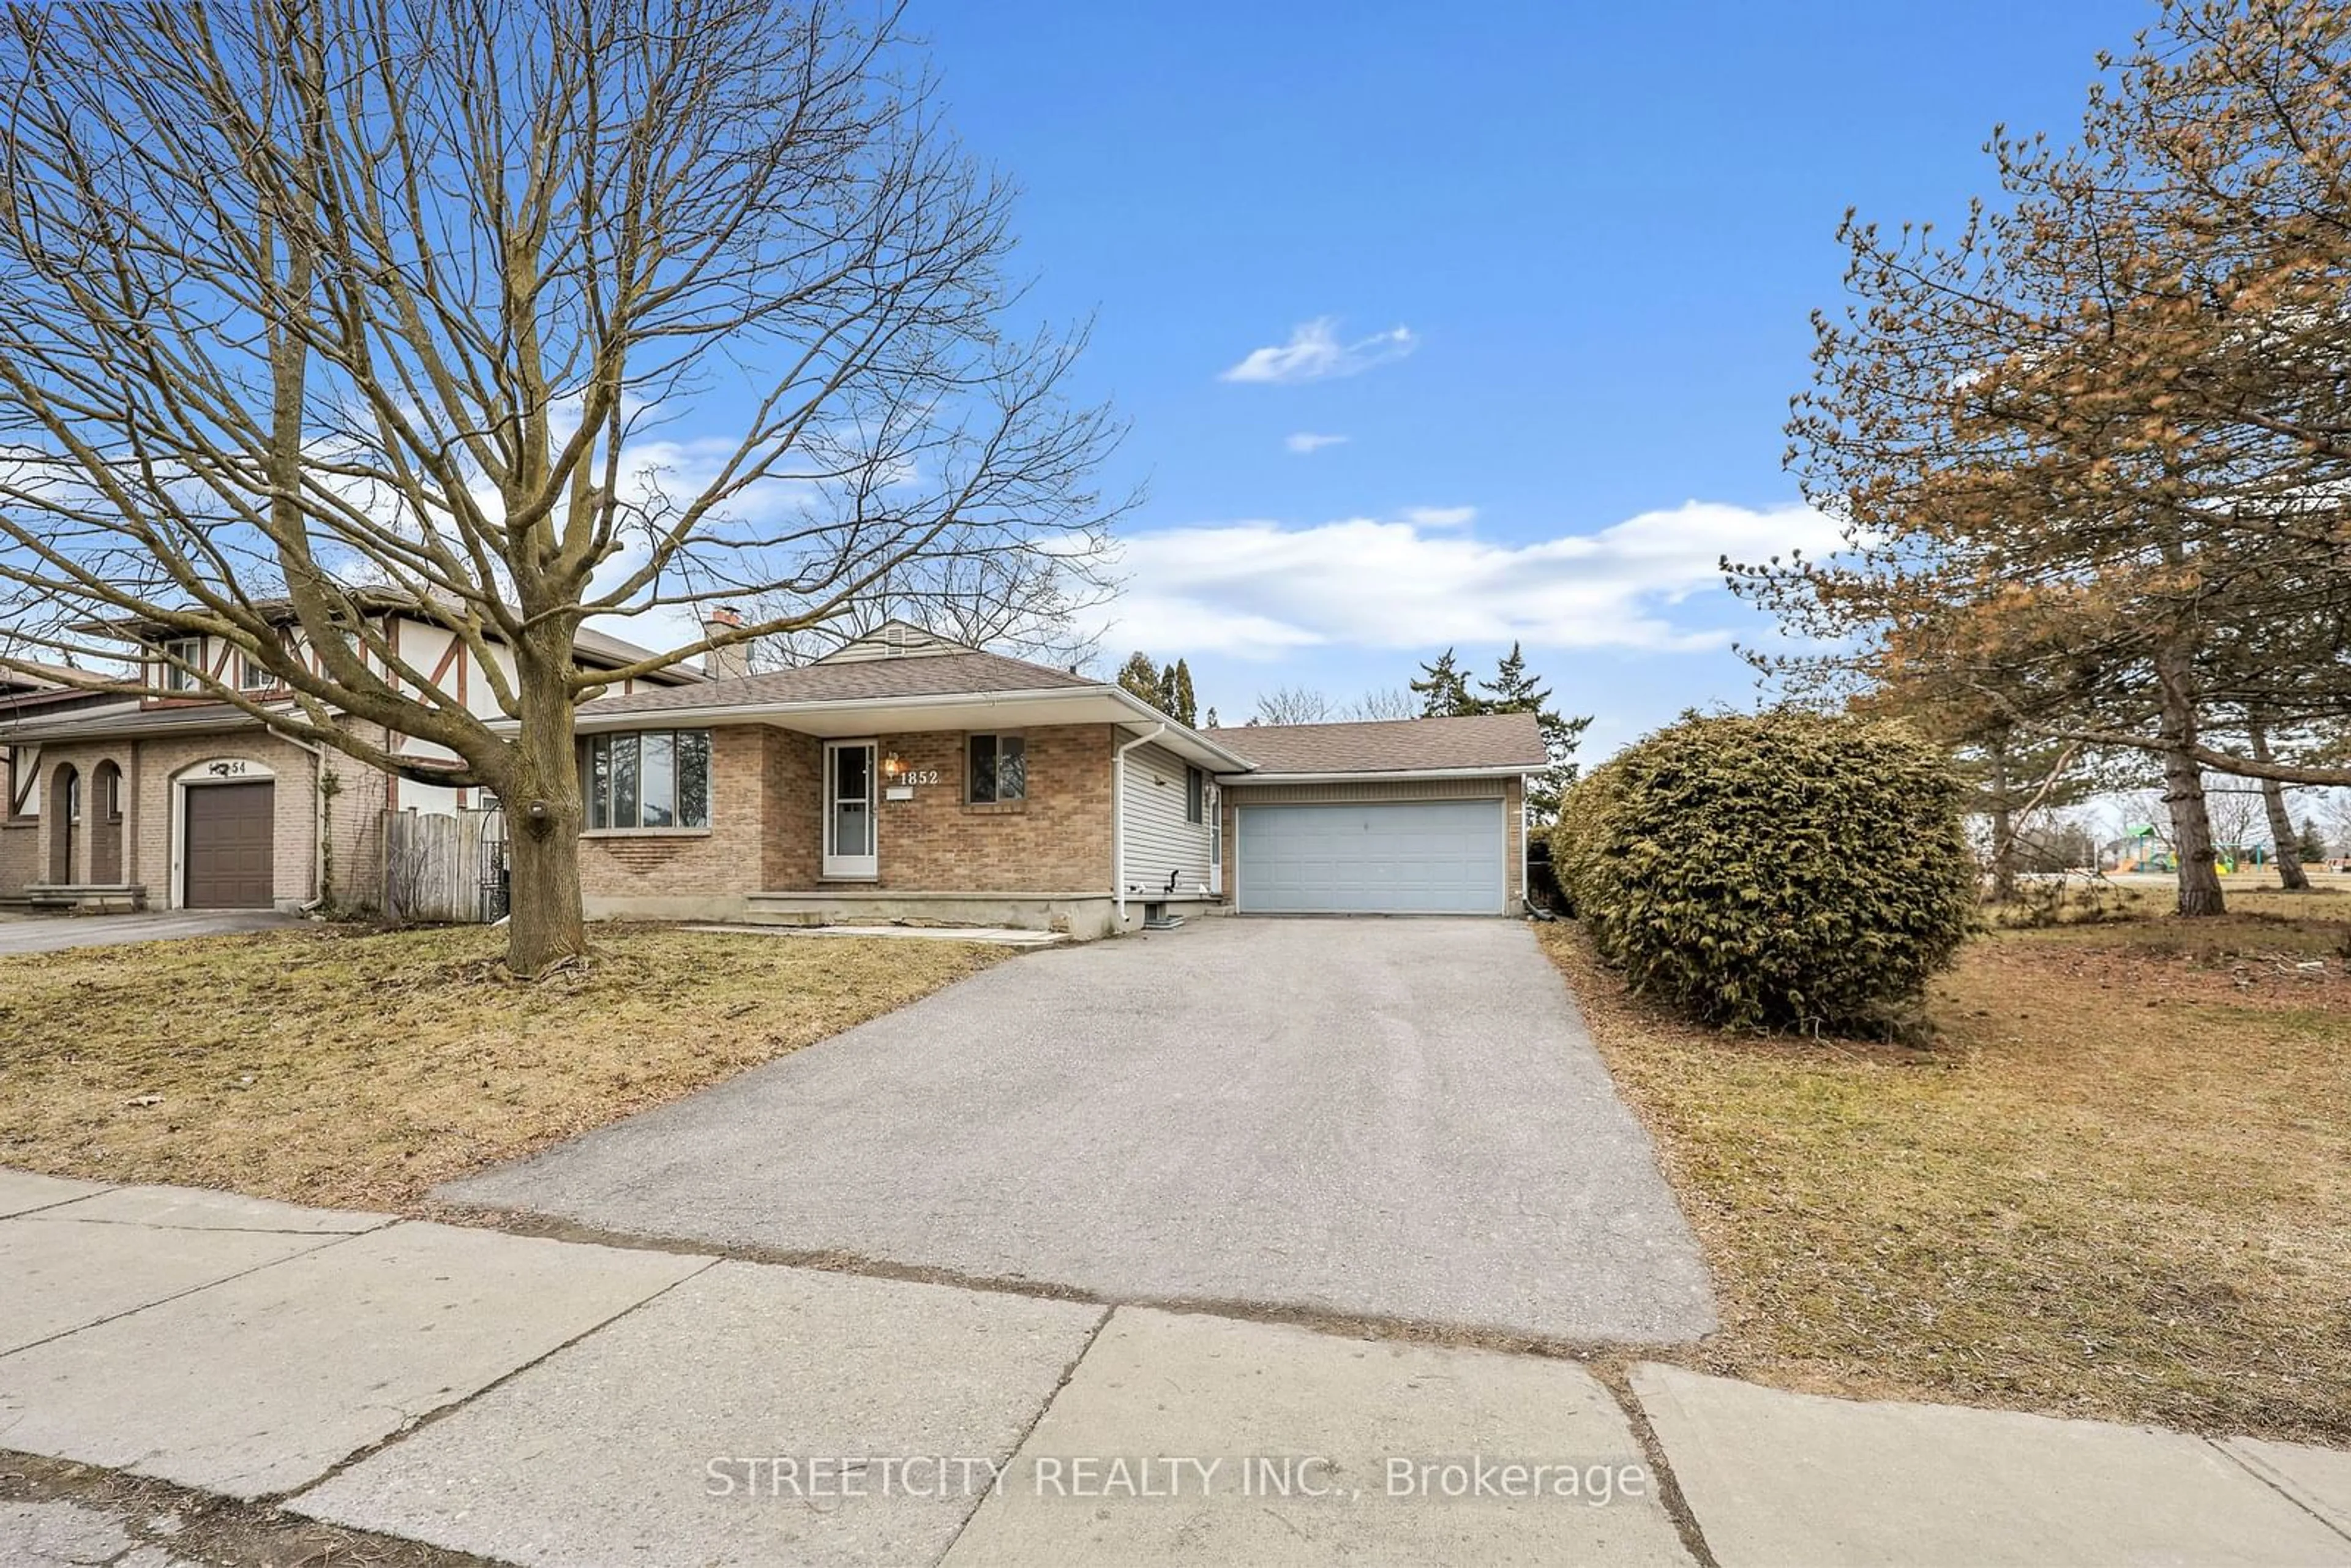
[[849, 794]]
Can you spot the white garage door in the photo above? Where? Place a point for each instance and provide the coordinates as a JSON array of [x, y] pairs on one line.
[[1385, 857]]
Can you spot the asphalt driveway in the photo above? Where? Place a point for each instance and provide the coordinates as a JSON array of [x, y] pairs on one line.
[[56, 933], [1394, 1119]]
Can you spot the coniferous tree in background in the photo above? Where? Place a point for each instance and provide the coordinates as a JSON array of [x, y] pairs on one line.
[[1140, 676], [1443, 689], [1181, 702], [1514, 689], [1167, 688]]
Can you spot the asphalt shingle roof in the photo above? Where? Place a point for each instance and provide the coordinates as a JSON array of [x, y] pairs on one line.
[[1497, 740], [848, 680]]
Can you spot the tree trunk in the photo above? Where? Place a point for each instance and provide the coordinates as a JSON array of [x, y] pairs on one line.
[[2003, 830], [2191, 837], [541, 794], [2285, 841], [2183, 780]]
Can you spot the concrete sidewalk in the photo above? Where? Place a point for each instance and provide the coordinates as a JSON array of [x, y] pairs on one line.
[[542, 1402]]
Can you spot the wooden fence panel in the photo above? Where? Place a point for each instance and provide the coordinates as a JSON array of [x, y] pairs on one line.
[[434, 864]]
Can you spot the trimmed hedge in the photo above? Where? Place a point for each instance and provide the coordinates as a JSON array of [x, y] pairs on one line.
[[1783, 870]]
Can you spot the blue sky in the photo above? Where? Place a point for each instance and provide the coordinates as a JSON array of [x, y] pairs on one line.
[[1554, 265]]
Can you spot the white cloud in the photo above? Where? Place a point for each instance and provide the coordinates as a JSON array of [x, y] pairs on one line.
[[1259, 590], [1315, 353], [1306, 443]]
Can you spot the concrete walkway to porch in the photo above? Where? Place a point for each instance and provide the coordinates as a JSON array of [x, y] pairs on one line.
[[543, 1402], [990, 936]]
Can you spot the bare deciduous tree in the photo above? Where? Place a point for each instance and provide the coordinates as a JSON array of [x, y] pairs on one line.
[[529, 312], [1391, 703], [1292, 704]]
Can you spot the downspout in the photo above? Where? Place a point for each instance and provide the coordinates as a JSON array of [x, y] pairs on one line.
[[1118, 816]]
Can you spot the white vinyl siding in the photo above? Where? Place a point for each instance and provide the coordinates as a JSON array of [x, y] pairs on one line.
[[1159, 842]]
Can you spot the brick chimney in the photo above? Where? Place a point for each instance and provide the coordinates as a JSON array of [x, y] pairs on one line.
[[725, 664]]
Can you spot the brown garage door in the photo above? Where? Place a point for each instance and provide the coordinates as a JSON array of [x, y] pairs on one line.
[[228, 840]]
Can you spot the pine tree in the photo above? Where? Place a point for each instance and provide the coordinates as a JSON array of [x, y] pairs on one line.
[[1444, 690], [1514, 689], [1212, 719], [1181, 702], [1140, 676]]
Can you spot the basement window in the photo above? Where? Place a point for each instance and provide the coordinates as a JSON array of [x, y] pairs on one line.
[[657, 779]]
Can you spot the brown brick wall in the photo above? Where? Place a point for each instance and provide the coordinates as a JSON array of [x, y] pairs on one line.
[[20, 847], [729, 857], [794, 792], [1057, 841]]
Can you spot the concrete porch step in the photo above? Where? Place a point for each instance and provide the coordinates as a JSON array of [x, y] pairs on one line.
[[86, 897], [1080, 915]]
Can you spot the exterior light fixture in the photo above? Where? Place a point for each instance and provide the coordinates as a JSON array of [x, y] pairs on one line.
[[892, 768]]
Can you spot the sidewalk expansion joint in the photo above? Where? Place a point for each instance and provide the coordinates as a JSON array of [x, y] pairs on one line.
[[1044, 1407], [410, 1429], [2261, 1473], [326, 1238], [1615, 1375], [383, 1224]]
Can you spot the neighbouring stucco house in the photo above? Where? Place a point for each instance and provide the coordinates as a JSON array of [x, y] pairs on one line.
[[174, 798], [905, 777]]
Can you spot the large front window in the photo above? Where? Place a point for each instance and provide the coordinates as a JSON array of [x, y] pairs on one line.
[[652, 779], [999, 769]]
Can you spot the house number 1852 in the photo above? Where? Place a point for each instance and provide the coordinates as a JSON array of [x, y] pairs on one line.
[[919, 776]]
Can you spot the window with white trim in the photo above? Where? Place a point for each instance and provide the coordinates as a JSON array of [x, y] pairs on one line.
[[1195, 794], [648, 778], [180, 676]]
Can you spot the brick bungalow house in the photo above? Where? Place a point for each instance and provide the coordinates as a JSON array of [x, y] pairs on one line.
[[907, 776], [904, 777]]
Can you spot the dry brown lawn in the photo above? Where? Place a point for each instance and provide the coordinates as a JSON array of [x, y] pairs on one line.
[[2118, 1184], [342, 1066]]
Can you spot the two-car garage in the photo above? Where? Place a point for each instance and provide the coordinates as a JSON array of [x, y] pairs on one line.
[[1415, 816], [1372, 857]]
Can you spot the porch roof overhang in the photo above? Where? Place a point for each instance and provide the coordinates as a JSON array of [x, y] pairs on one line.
[[859, 717]]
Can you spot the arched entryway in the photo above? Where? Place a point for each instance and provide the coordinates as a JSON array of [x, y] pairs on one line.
[[65, 821], [106, 825]]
